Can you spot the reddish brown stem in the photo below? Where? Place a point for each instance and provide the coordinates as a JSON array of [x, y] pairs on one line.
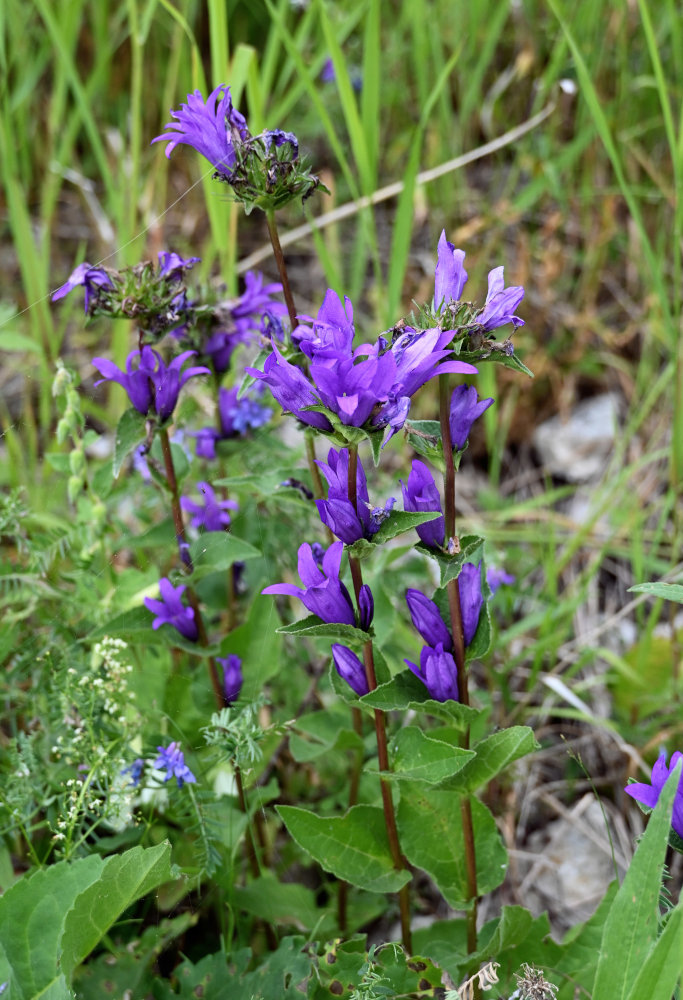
[[282, 267]]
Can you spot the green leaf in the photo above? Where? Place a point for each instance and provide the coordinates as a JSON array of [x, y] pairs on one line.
[[258, 645], [471, 550], [130, 432], [326, 731], [663, 965], [399, 521], [278, 902], [631, 927], [354, 847], [416, 757], [430, 831], [424, 437], [51, 919], [407, 691], [10, 340], [216, 551], [493, 755], [312, 626], [669, 591], [508, 361]]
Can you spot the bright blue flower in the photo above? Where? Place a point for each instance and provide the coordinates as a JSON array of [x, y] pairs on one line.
[[135, 771], [172, 760], [170, 610]]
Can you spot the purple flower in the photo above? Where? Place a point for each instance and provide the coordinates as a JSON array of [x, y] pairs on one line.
[[291, 389], [450, 275], [496, 577], [232, 676], [427, 620], [465, 409], [332, 331], [327, 73], [276, 137], [213, 514], [471, 599], [172, 265], [337, 512], [135, 771], [256, 299], [323, 592], [501, 302], [366, 604], [421, 494], [170, 610], [211, 128], [649, 794], [350, 668], [236, 416], [152, 381], [91, 278], [172, 760], [438, 673]]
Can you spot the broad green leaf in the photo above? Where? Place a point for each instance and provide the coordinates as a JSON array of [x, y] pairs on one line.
[[424, 437], [354, 847], [125, 878], [399, 521], [12, 340], [407, 691], [279, 902], [216, 551], [312, 626], [471, 550], [416, 757], [631, 927], [258, 645], [493, 755], [663, 965], [130, 432], [669, 591], [430, 831]]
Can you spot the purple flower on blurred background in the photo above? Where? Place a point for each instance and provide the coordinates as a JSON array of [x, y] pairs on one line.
[[172, 760], [276, 137], [465, 409], [450, 275], [91, 278], [237, 417], [212, 515], [649, 794], [256, 299], [291, 389], [471, 599], [438, 673], [323, 592], [172, 266], [337, 512], [501, 302], [350, 668], [152, 382], [427, 619], [496, 577], [421, 494], [332, 330], [170, 610], [211, 128], [232, 676]]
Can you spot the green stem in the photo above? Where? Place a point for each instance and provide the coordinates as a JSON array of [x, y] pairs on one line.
[[282, 267], [455, 612], [400, 863]]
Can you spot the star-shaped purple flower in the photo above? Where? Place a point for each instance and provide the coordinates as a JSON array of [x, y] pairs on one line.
[[212, 515], [210, 127], [649, 794], [322, 593], [90, 278], [152, 382], [170, 610], [501, 302], [172, 266]]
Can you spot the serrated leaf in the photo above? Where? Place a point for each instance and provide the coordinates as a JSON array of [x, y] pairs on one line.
[[312, 626], [493, 755], [131, 431], [217, 551], [416, 757], [631, 927], [669, 591], [407, 691], [399, 521], [431, 835], [354, 847]]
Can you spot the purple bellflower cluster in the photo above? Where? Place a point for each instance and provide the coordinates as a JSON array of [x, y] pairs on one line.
[[337, 512], [172, 760], [212, 515], [323, 593], [648, 795], [370, 386], [255, 313], [437, 670], [232, 677], [150, 383], [170, 610]]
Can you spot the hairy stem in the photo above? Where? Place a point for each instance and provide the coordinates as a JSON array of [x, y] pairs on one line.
[[398, 859], [455, 612]]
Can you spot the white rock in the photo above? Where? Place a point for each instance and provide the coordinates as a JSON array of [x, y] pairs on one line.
[[579, 448]]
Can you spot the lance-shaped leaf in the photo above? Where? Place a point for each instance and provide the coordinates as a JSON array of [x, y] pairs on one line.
[[416, 757], [131, 431], [216, 551], [407, 691], [492, 755], [312, 626], [354, 847]]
